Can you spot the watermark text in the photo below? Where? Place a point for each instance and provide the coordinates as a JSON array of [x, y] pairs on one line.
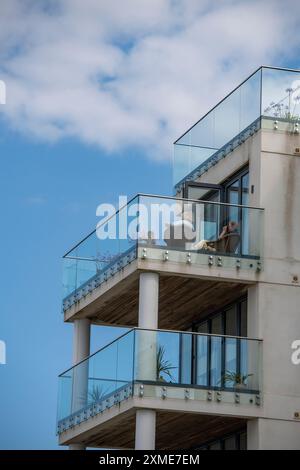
[[2, 352], [2, 92]]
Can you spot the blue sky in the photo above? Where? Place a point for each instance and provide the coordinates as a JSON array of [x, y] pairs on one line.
[[95, 96], [49, 196]]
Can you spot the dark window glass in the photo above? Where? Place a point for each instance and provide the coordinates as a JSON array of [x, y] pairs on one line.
[[237, 192], [204, 193], [243, 441], [245, 189], [236, 441], [231, 322], [230, 443], [217, 325], [186, 359], [203, 327], [245, 215], [243, 327], [215, 446], [235, 325]]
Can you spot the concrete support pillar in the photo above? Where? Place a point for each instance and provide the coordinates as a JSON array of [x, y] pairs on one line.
[[81, 350], [76, 447], [146, 355], [145, 430], [148, 300], [81, 340]]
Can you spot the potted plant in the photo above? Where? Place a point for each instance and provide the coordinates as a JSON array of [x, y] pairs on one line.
[[239, 380], [97, 394], [163, 366]]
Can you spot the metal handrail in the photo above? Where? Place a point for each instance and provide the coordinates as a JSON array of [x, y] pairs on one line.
[[173, 198], [195, 333]]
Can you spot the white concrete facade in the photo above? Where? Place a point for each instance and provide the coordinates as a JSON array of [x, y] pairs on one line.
[[147, 318], [273, 297], [274, 301]]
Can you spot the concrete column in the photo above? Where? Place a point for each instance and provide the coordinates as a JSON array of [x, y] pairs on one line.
[[76, 447], [81, 340], [146, 355], [145, 430], [148, 300], [81, 350]]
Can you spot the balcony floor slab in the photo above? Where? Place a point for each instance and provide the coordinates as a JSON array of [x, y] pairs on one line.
[[198, 415], [182, 301]]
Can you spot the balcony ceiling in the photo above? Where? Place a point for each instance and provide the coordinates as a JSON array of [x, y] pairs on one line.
[[198, 429], [182, 301]]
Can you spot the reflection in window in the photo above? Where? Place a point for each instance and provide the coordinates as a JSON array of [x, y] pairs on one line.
[[216, 361], [202, 360], [221, 362], [237, 192], [186, 358], [245, 214]]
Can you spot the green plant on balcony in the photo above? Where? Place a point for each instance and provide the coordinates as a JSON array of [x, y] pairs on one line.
[[163, 366], [97, 394], [237, 379]]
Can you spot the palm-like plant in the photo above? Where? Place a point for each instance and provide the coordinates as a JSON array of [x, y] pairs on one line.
[[96, 394], [163, 366], [236, 378]]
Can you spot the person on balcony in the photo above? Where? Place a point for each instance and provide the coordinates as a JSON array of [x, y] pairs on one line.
[[227, 241], [181, 234], [148, 239]]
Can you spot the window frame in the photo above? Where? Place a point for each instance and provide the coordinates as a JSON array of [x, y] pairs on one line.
[[237, 304]]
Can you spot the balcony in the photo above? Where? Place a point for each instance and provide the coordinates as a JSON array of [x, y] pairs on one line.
[[171, 236], [170, 371], [267, 99]]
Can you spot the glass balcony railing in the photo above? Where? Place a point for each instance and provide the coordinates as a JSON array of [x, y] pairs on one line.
[[268, 94], [163, 227], [98, 377], [157, 357]]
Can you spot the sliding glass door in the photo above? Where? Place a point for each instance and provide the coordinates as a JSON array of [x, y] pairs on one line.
[[216, 356], [237, 192]]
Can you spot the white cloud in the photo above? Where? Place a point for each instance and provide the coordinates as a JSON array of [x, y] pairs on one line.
[[123, 73]]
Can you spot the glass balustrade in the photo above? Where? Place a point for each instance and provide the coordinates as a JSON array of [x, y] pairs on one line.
[[266, 95], [159, 357], [161, 224]]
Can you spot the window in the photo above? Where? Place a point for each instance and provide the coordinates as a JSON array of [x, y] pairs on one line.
[[214, 355], [237, 188], [203, 191], [237, 192], [231, 320], [233, 191], [234, 441]]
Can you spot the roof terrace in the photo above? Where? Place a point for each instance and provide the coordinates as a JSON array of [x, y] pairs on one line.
[[268, 98]]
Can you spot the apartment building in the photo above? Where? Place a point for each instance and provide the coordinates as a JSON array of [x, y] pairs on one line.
[[211, 316]]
